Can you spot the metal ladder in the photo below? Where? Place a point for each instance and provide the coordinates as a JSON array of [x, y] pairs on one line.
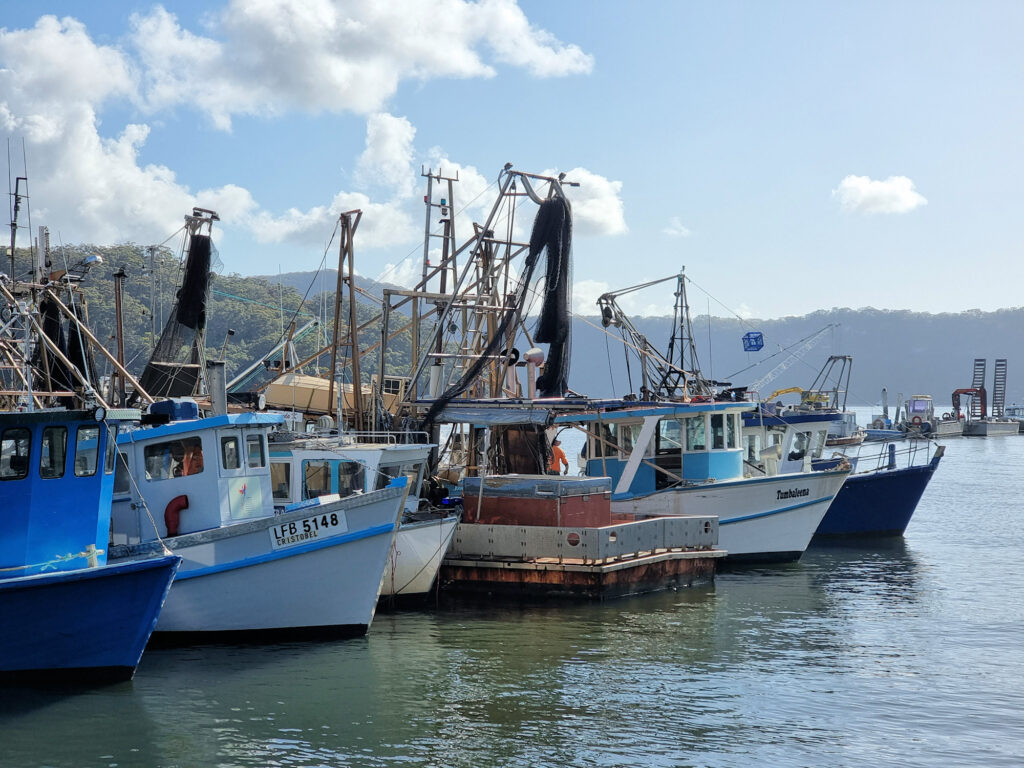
[[980, 365], [999, 387]]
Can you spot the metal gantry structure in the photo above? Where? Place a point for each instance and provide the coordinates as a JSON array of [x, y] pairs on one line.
[[675, 375]]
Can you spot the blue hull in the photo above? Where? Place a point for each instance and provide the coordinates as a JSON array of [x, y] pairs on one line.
[[88, 624], [876, 504]]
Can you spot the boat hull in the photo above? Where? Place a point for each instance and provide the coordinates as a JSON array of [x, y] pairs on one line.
[[90, 624], [947, 428], [767, 519], [235, 583], [990, 428], [416, 556], [876, 504]]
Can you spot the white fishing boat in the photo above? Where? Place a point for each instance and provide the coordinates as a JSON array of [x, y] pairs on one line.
[[353, 463], [688, 459], [201, 488]]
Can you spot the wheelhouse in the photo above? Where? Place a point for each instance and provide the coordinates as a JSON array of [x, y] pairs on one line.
[[306, 469], [56, 481], [654, 448], [184, 466]]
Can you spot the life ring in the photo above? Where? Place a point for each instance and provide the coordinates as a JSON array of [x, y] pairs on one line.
[[878, 424], [946, 417], [172, 514], [916, 421]]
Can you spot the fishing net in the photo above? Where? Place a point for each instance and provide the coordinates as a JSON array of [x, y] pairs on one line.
[[174, 368], [552, 233]]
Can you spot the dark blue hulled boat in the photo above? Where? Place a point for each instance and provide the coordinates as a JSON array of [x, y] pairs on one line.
[[879, 500], [882, 491], [64, 612]]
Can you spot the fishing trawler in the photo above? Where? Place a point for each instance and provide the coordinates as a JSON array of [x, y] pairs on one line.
[[69, 614], [201, 487]]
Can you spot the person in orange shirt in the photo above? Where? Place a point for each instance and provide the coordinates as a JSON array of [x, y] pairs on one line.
[[557, 459]]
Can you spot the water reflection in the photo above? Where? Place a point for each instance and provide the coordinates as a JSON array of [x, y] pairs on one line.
[[902, 653]]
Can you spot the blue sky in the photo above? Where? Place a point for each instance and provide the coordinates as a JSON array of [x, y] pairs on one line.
[[793, 156]]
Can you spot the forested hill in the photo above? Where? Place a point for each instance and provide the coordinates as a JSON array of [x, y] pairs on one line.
[[906, 352]]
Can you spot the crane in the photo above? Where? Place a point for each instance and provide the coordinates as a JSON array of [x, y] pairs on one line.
[[660, 376], [800, 349]]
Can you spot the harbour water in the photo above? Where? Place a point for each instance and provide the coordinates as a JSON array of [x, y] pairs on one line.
[[906, 654]]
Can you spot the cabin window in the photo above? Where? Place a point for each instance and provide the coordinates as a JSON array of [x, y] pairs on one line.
[[176, 458], [229, 457], [732, 430], [718, 431], [316, 479], [351, 477], [14, 453], [111, 450], [86, 451], [605, 441], [753, 448], [670, 436], [122, 480], [281, 479], [254, 450], [819, 443], [696, 434], [389, 471], [54, 452], [801, 442]]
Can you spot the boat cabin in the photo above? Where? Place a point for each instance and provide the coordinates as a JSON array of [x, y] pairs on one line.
[[646, 449], [920, 412], [307, 468], [776, 444], [191, 476], [56, 480]]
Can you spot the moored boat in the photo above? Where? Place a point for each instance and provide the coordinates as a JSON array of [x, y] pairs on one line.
[[202, 488], [688, 459], [304, 467], [68, 613]]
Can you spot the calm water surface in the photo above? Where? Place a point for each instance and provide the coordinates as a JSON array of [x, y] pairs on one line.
[[911, 654]]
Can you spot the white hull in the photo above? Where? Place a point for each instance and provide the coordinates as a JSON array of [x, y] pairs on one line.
[[769, 518], [233, 579], [416, 556]]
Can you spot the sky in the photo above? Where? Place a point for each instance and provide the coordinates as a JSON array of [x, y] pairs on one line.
[[792, 156]]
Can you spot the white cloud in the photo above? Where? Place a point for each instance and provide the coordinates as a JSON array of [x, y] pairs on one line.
[[387, 159], [382, 224], [865, 195], [586, 292], [675, 228], [406, 273], [597, 207], [255, 57], [340, 55]]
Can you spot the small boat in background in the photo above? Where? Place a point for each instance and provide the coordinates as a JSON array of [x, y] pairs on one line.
[[920, 419]]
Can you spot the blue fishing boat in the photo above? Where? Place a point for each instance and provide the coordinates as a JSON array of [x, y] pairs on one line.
[[883, 489], [67, 613], [878, 499]]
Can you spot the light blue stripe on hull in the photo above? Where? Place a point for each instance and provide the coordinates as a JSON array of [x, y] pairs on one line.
[[300, 549], [825, 499]]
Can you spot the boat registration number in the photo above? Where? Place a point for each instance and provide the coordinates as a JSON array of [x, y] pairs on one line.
[[307, 529]]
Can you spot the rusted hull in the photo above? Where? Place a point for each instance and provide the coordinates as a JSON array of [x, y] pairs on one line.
[[576, 580]]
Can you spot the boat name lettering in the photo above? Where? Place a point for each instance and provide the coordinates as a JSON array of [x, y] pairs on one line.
[[308, 529], [792, 493]]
